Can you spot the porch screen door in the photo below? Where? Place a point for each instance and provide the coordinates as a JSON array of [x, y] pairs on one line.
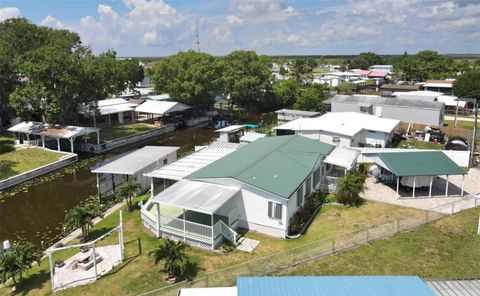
[[232, 216]]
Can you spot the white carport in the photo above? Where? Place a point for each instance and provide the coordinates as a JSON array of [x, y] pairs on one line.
[[342, 157], [251, 137], [135, 164], [55, 131], [108, 107], [161, 107], [193, 162]]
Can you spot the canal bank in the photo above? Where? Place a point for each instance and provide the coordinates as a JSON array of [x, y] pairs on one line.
[[36, 212]]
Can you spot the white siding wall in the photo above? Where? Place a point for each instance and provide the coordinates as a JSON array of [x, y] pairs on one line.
[[326, 137]]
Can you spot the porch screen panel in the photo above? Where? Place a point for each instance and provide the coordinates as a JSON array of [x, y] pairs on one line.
[[300, 196], [316, 177], [309, 186]]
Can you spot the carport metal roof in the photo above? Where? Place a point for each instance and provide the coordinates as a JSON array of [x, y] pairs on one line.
[[419, 163], [135, 161], [196, 196]]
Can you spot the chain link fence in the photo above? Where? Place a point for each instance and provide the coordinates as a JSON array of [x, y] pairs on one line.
[[316, 249]]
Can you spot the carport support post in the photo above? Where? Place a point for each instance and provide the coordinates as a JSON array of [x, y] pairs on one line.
[[98, 138], [71, 144], [398, 185], [151, 187], [414, 185], [52, 271], [184, 226], [43, 141], [58, 144], [446, 188], [463, 181], [98, 185], [213, 242], [431, 183], [158, 219]]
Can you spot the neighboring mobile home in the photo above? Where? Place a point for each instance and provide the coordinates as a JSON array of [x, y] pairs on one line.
[[343, 129], [405, 110]]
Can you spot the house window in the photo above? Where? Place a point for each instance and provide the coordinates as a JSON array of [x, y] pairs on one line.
[[275, 210], [165, 161], [316, 176], [300, 196], [309, 186]]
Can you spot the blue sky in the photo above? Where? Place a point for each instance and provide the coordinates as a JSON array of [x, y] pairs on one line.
[[321, 27]]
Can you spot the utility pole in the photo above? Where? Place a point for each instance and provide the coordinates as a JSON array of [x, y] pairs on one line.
[[198, 39]]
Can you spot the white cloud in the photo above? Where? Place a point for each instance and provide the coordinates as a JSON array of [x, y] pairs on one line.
[[9, 12], [52, 22], [146, 23], [234, 20]]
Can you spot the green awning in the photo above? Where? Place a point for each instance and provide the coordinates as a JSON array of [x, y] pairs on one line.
[[420, 163]]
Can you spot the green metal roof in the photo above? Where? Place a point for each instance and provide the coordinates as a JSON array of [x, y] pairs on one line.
[[420, 163], [275, 164]]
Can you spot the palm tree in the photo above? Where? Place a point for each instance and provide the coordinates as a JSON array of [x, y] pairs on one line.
[[17, 260], [176, 260], [349, 187], [127, 191], [81, 216]]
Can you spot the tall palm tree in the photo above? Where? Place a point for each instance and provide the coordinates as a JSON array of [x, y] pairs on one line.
[[17, 260], [349, 188], [127, 192], [176, 260], [81, 216]]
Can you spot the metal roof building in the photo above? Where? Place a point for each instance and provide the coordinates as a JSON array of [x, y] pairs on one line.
[[413, 166], [405, 110], [161, 107], [193, 162], [133, 164], [275, 164], [333, 285], [55, 131]]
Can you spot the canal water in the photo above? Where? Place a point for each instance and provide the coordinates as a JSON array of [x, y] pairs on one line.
[[35, 212]]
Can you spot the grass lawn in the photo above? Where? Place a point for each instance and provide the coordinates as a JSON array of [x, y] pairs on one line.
[[462, 124], [111, 133], [448, 248], [419, 144], [139, 274], [22, 160]]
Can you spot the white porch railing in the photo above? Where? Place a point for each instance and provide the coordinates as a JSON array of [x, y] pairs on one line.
[[149, 219], [220, 228], [186, 227]]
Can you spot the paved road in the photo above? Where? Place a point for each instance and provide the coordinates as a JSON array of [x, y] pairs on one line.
[[459, 118]]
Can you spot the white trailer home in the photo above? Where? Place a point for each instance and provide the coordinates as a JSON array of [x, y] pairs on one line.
[[257, 187], [343, 129]]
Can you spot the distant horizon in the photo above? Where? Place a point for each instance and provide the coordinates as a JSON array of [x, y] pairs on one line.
[[159, 28]]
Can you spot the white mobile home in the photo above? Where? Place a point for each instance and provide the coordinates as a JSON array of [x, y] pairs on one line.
[[257, 187], [405, 110], [344, 129], [286, 115]]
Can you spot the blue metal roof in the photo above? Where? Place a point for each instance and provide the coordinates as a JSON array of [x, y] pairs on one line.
[[333, 285]]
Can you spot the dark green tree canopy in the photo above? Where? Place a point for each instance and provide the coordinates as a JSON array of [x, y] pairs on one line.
[[59, 71], [467, 85], [311, 99], [365, 60], [287, 91], [247, 79], [189, 77]]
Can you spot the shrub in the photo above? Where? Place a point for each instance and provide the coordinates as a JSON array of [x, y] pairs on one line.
[[349, 188], [6, 145], [312, 202]]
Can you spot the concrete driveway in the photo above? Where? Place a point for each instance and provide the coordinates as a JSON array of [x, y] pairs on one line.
[[438, 202]]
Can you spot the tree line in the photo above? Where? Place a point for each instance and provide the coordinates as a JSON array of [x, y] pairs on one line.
[[242, 77], [49, 72]]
